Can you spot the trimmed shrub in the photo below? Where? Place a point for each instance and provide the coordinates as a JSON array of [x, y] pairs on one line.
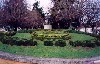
[[60, 43], [85, 43], [17, 41], [76, 43], [25, 31], [97, 42], [2, 34], [71, 43], [26, 43], [95, 35], [10, 33], [74, 31], [48, 43], [33, 43], [88, 44]]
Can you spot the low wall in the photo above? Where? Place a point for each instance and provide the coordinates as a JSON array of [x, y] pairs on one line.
[[30, 59]]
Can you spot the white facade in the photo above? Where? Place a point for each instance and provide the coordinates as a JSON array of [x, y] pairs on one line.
[[47, 26], [89, 30]]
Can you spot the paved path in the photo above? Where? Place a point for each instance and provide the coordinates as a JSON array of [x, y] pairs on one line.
[[30, 59]]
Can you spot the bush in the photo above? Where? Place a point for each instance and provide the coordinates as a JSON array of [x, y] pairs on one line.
[[17, 41], [60, 43], [33, 43], [66, 37], [76, 43], [85, 43], [10, 33], [25, 31], [88, 44], [97, 41], [71, 43], [26, 43], [51, 36], [48, 43], [74, 31], [2, 34], [95, 35]]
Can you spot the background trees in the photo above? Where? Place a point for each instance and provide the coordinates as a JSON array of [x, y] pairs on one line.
[[74, 11], [15, 14], [65, 14]]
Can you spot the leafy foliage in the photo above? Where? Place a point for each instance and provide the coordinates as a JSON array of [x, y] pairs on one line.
[[60, 43], [48, 43], [50, 35], [85, 43]]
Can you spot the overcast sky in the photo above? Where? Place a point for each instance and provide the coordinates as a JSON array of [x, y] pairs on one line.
[[43, 3]]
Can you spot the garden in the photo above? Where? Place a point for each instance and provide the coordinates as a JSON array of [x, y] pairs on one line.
[[59, 43]]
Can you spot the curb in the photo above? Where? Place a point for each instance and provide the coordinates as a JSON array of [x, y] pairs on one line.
[[20, 58]]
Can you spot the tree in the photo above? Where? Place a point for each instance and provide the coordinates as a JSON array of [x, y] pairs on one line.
[[75, 10], [14, 12], [91, 10], [68, 9], [38, 9], [39, 14]]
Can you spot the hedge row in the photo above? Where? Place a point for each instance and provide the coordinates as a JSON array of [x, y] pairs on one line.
[[17, 41], [74, 31], [60, 43], [30, 30], [12, 33], [86, 43], [41, 36]]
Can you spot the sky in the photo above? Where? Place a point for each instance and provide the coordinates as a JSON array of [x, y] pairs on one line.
[[46, 4]]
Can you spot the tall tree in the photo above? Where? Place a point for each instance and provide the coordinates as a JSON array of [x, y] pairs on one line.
[[14, 12], [91, 10], [74, 10], [38, 9], [39, 14], [68, 9]]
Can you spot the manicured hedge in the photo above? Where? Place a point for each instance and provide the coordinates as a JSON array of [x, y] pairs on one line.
[[86, 43], [12, 33], [60, 43], [25, 31], [74, 31], [38, 36], [17, 41], [97, 41], [48, 43], [2, 34]]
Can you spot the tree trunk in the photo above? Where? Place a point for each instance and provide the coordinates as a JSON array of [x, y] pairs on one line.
[[15, 28], [85, 29]]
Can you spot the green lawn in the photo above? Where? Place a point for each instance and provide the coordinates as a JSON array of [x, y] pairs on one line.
[[52, 51], [74, 36], [80, 37], [23, 35]]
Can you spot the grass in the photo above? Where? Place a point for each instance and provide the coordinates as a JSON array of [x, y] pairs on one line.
[[74, 36], [23, 35], [80, 37], [53, 51]]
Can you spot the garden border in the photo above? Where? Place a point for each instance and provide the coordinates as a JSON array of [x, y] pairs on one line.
[[20, 58]]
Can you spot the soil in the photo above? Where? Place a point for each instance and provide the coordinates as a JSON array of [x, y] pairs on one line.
[[3, 61]]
